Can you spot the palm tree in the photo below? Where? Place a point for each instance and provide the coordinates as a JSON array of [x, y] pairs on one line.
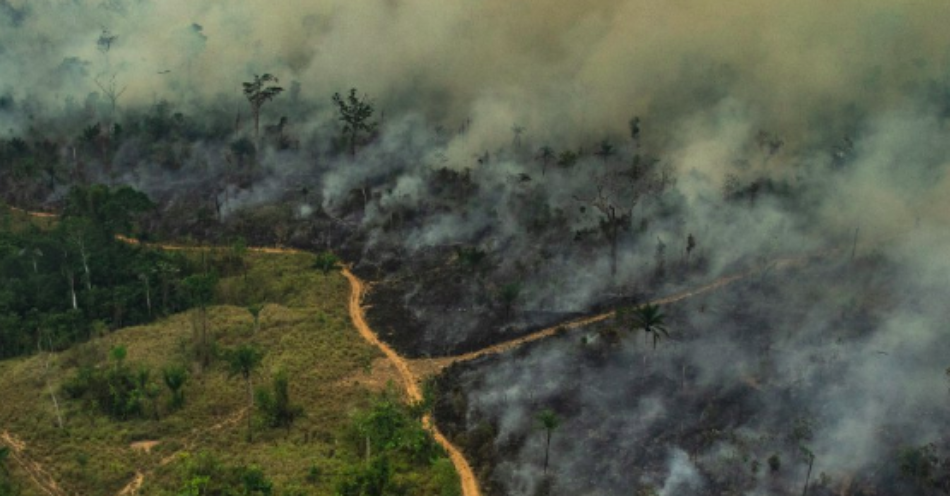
[[605, 150], [243, 361], [175, 377], [548, 421], [649, 318]]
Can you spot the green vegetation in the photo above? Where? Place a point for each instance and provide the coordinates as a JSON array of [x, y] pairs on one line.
[[6, 485], [258, 93], [243, 361], [649, 318], [325, 261], [310, 424], [388, 449], [355, 114], [65, 281]]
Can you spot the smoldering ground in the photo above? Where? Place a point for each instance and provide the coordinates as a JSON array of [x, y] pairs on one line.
[[766, 130], [843, 360]]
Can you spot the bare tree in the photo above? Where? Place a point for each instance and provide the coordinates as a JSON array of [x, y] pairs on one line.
[[112, 91], [614, 217], [545, 156]]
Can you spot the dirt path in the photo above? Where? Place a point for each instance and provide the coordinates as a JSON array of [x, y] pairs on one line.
[[410, 382], [427, 367], [253, 249], [134, 486], [43, 215], [34, 469]]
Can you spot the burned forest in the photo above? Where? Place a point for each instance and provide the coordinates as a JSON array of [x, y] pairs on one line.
[[460, 249]]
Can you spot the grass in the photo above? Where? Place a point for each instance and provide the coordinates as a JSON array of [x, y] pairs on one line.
[[304, 329]]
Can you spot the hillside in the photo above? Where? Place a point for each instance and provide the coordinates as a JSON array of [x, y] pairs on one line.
[[304, 331]]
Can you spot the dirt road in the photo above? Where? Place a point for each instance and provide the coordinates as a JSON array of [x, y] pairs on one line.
[[410, 382]]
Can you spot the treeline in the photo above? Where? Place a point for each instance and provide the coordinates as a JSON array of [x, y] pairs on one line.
[[69, 282]]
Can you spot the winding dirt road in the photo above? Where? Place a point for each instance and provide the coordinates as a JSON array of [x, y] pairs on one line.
[[411, 383], [426, 367], [413, 371]]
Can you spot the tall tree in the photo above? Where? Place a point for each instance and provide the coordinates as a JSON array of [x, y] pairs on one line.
[[614, 218], [259, 92], [200, 290], [545, 156], [243, 361], [548, 421], [355, 113]]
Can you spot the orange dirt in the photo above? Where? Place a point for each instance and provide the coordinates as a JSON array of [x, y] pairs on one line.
[[427, 367], [145, 446], [43, 480], [45, 215], [411, 383], [133, 487]]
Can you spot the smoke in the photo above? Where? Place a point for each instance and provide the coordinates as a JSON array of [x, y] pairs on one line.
[[564, 72], [768, 129]]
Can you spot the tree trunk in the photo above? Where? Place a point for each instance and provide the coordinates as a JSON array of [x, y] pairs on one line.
[[148, 297], [49, 386], [257, 124], [72, 291], [85, 263], [811, 460], [250, 408], [368, 449], [547, 451]]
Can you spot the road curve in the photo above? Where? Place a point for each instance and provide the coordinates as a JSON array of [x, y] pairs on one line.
[[410, 382]]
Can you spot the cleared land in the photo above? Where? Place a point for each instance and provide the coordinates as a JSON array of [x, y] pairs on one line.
[[305, 331]]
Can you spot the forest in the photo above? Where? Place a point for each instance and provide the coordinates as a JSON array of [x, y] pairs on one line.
[[612, 247]]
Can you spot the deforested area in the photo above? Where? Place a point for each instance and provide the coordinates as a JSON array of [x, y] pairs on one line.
[[599, 247]]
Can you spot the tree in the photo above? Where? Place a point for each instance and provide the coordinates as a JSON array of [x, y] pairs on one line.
[[517, 130], [258, 92], [255, 311], [545, 155], [548, 421], [690, 246], [244, 361], [605, 150], [239, 253], [355, 113], [649, 318], [200, 291], [112, 91], [509, 294], [118, 354], [325, 261], [614, 218], [635, 131], [276, 407], [567, 159], [175, 377]]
